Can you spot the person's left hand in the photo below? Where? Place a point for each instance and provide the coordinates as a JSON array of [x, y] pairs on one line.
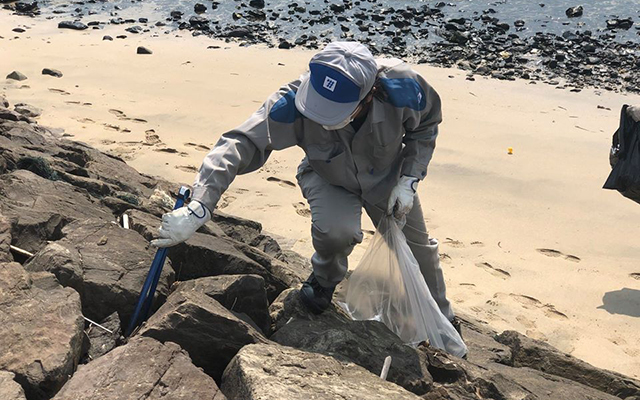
[[634, 112], [401, 198]]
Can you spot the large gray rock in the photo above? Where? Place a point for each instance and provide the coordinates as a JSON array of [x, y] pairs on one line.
[[203, 255], [238, 293], [365, 343], [268, 371], [142, 369], [210, 333], [106, 264], [527, 352], [10, 389], [39, 208], [17, 75], [41, 330], [5, 240], [103, 176], [210, 254]]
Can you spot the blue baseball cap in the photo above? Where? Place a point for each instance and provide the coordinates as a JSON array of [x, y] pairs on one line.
[[339, 77]]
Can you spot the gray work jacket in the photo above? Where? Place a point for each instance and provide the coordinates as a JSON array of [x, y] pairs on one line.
[[397, 138]]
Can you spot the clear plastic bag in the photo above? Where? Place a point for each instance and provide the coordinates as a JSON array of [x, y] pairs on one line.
[[387, 286]]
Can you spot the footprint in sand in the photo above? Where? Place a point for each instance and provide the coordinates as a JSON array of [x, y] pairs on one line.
[[500, 273], [122, 116], [477, 244], [368, 232], [556, 253], [85, 120], [77, 102], [187, 168], [635, 275], [444, 257], [453, 243], [151, 139], [302, 209], [59, 91], [112, 127], [196, 146], [281, 182], [548, 309], [172, 151]]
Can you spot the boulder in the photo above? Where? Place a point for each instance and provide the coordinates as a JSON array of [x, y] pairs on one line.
[[204, 255], [75, 160], [142, 369], [207, 254], [237, 293], [101, 341], [210, 333], [10, 389], [5, 240], [106, 264], [41, 330], [27, 110], [531, 353], [17, 76], [39, 208], [365, 343], [269, 371]]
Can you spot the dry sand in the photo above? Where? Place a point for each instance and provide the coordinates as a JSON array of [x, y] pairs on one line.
[[530, 241]]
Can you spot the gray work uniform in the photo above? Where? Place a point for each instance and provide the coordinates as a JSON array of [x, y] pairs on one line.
[[343, 170]]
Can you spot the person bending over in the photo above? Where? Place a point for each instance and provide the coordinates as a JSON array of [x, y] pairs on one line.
[[368, 128]]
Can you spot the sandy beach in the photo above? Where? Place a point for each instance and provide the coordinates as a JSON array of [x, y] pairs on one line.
[[530, 241]]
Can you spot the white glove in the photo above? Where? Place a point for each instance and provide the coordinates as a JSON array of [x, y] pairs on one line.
[[634, 112], [179, 225], [401, 198]]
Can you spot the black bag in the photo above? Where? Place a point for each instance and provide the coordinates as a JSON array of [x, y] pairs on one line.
[[625, 158]]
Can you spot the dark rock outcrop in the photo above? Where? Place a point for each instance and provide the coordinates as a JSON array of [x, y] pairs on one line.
[[210, 333], [41, 330], [106, 264], [365, 343], [238, 293], [142, 369], [262, 371], [207, 254], [531, 353]]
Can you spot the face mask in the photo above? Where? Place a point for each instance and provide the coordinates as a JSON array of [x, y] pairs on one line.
[[338, 126]]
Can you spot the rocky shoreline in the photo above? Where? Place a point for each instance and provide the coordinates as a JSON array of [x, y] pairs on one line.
[[227, 322], [479, 42]]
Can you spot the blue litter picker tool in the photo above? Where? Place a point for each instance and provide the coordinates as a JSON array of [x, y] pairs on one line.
[[148, 290]]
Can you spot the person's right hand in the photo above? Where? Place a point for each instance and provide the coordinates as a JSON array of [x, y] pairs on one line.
[[179, 225], [634, 112]]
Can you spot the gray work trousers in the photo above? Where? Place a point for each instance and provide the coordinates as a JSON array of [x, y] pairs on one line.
[[335, 230]]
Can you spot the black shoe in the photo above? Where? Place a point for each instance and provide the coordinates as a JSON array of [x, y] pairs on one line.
[[314, 296], [457, 325]]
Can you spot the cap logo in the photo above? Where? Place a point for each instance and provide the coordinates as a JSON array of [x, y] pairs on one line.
[[329, 84], [332, 84]]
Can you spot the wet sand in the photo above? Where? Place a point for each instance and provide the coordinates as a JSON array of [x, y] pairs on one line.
[[530, 241]]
